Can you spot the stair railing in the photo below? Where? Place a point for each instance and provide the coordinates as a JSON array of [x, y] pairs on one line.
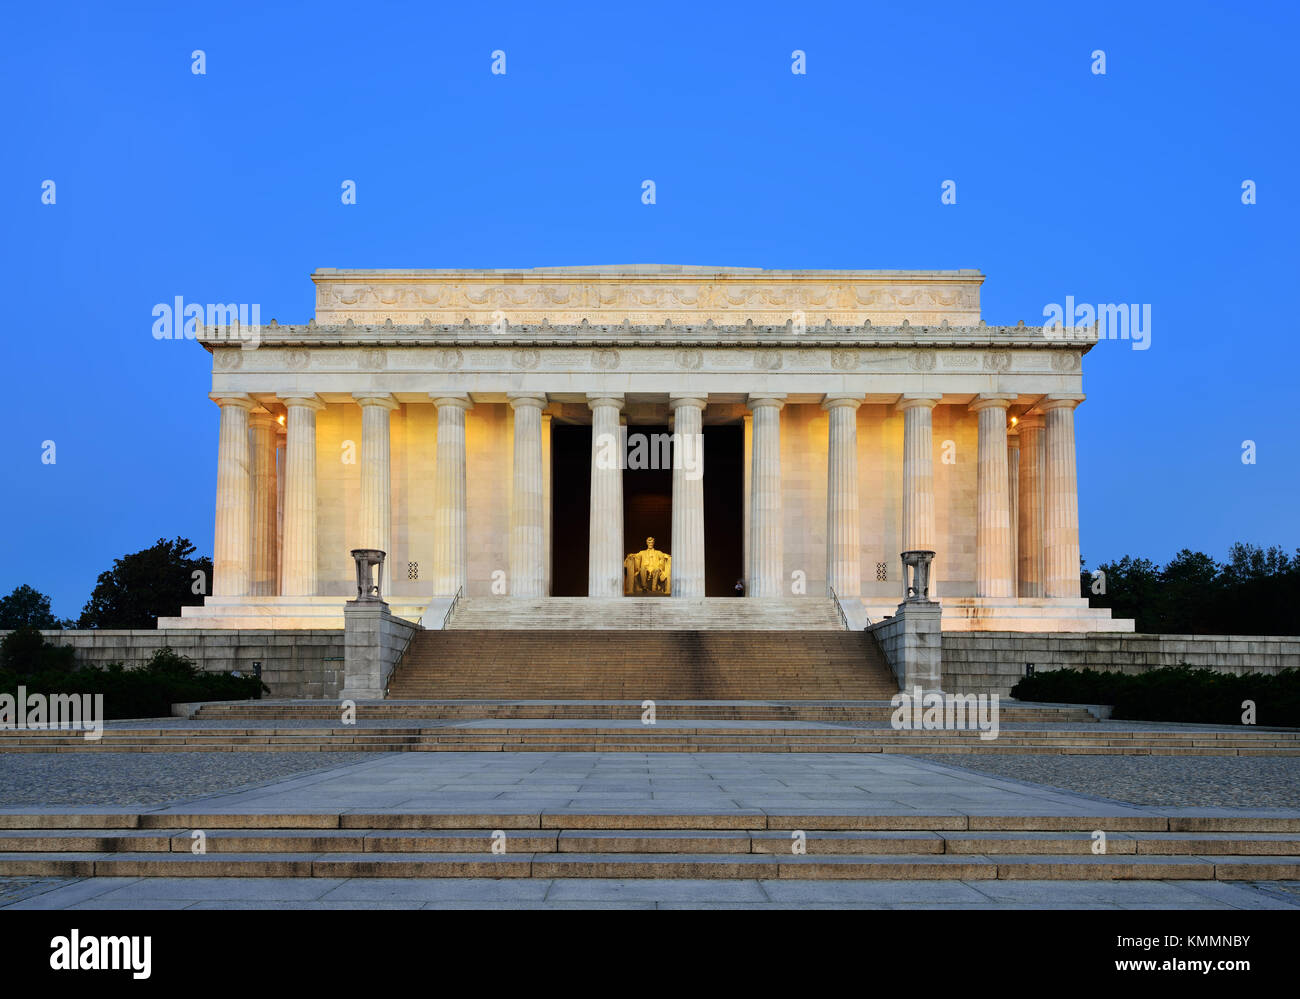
[[419, 626], [839, 608], [454, 600]]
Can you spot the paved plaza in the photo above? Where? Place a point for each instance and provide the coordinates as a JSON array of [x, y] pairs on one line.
[[760, 785]]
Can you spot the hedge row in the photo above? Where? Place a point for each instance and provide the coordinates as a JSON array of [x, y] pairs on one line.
[[27, 661], [1174, 693]]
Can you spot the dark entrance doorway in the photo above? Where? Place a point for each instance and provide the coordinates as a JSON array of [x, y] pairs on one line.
[[647, 506]]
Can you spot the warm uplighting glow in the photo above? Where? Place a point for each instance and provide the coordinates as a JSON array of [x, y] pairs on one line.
[[1015, 420], [281, 419]]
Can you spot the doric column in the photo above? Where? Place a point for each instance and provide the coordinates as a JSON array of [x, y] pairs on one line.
[[918, 476], [375, 529], [1029, 542], [843, 553], [605, 547], [546, 505], [265, 440], [1013, 502], [766, 573], [527, 523], [747, 481], [450, 514], [232, 543], [280, 434], [298, 554], [993, 517], [1060, 497], [688, 496]]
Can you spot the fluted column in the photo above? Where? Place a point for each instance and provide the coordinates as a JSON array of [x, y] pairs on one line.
[[605, 547], [546, 505], [375, 527], [265, 440], [993, 517], [298, 554], [747, 480], [1029, 542], [1013, 502], [688, 496], [450, 513], [843, 552], [527, 524], [232, 542], [1060, 497], [918, 477], [280, 435], [766, 573]]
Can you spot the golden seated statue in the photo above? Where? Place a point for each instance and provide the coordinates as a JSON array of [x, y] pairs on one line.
[[647, 573]]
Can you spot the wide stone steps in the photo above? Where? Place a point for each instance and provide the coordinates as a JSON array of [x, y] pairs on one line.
[[667, 665], [645, 614], [653, 845], [848, 713], [661, 738]]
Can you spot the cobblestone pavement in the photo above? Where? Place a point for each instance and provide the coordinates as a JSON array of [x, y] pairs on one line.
[[1169, 781], [122, 779]]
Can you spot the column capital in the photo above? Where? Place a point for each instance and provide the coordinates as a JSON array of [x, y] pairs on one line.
[[383, 399], [698, 401], [241, 399], [842, 400], [262, 418], [989, 400], [536, 400], [1062, 400], [307, 399], [1031, 421], [614, 399], [758, 399], [917, 400], [458, 399]]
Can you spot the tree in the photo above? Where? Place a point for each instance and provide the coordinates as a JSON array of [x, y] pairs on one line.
[[146, 585], [25, 652], [1255, 592], [27, 608]]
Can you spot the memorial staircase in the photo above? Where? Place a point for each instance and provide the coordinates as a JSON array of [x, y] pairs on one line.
[[644, 613], [636, 664], [564, 843]]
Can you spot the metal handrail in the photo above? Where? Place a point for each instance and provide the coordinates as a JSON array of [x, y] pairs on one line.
[[454, 600], [835, 598], [419, 626], [840, 609]]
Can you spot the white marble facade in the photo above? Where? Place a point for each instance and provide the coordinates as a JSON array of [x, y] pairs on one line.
[[414, 414]]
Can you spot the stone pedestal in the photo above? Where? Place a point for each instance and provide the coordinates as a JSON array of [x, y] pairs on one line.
[[364, 676], [912, 643]]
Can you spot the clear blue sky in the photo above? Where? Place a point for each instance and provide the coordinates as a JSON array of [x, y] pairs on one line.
[[225, 187]]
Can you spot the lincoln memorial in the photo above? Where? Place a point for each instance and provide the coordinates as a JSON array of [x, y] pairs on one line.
[[673, 436]]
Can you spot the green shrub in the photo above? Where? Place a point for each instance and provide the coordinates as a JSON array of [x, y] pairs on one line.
[[1175, 693], [147, 692]]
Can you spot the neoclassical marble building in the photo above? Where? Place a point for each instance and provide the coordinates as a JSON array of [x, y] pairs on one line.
[[451, 419]]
